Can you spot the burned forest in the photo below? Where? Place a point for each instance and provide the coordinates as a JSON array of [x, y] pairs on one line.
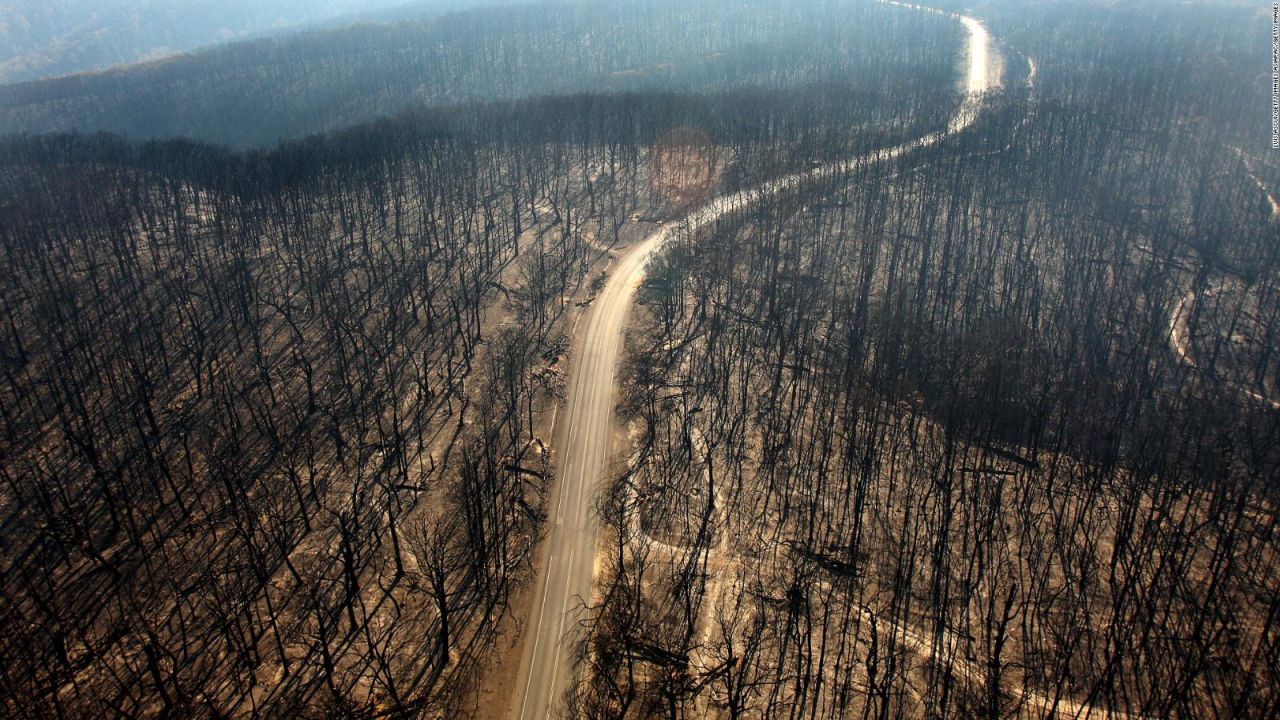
[[649, 359]]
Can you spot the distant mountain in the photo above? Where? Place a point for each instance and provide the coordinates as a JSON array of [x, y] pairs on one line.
[[45, 38], [254, 93]]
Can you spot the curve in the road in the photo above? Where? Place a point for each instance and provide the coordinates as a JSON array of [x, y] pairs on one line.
[[565, 586], [1180, 317]]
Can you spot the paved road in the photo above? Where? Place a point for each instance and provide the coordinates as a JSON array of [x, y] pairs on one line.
[[565, 584]]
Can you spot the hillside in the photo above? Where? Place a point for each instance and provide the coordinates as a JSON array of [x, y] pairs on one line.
[[59, 37], [252, 94]]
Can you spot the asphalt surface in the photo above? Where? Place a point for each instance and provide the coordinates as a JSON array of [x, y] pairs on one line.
[[565, 583]]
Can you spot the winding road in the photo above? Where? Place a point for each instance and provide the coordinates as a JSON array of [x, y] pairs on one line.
[[586, 429]]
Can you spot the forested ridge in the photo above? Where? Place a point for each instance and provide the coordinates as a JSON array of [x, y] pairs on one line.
[[44, 38], [256, 93]]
